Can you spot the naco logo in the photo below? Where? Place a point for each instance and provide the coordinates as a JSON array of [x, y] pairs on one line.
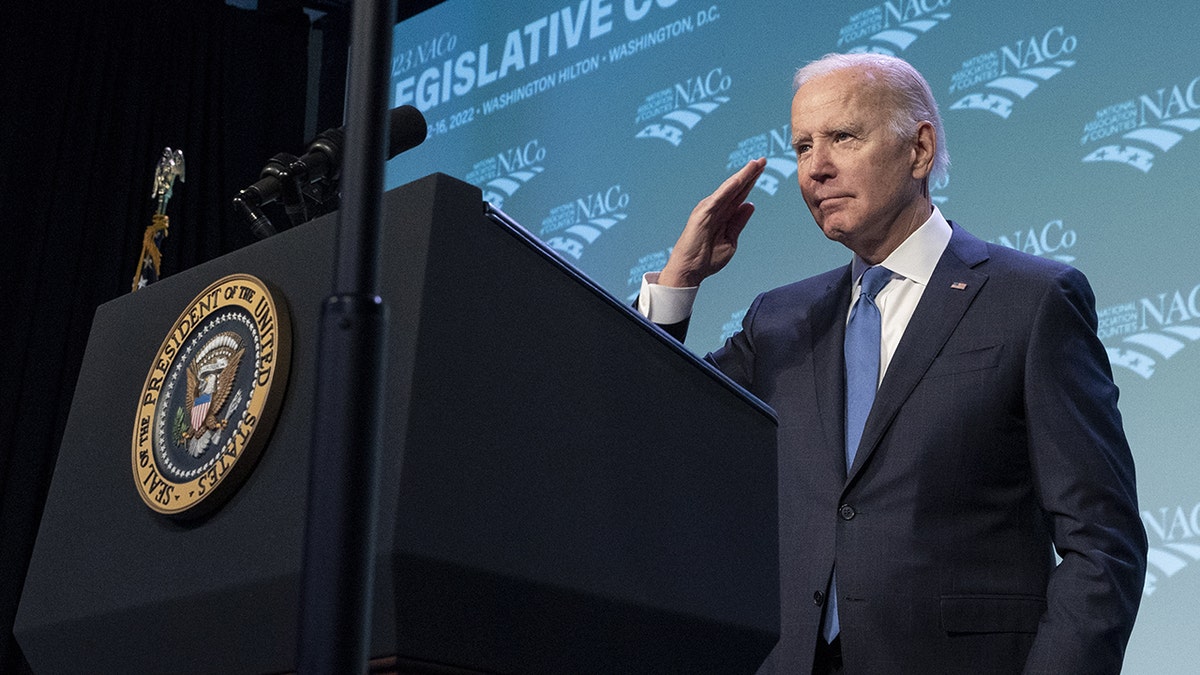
[[891, 27], [1154, 121], [576, 224], [1151, 329], [502, 174], [432, 48], [674, 111], [1174, 534], [1052, 240], [776, 146], [1017, 69]]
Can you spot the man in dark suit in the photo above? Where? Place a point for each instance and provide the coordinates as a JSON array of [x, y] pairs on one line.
[[918, 531]]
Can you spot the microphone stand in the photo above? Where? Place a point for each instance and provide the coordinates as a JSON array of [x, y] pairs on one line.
[[343, 494], [248, 205], [290, 182], [249, 202]]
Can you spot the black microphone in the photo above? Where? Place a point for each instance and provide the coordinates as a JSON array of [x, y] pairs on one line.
[[285, 175], [407, 129]]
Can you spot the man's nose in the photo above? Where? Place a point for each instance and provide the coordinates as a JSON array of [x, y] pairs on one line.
[[819, 165]]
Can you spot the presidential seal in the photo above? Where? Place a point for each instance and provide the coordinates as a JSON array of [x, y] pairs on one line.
[[211, 397]]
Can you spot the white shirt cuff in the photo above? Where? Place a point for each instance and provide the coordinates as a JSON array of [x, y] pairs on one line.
[[665, 304]]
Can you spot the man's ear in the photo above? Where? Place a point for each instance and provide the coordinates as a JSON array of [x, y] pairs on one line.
[[923, 150]]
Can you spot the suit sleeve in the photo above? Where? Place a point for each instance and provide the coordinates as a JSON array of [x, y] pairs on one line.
[[1084, 474], [736, 357], [676, 330]]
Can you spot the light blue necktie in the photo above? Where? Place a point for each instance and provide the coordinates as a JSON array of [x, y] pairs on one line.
[[862, 378], [862, 357]]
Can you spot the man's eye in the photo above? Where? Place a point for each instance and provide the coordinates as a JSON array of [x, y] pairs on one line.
[[802, 148], [842, 136]]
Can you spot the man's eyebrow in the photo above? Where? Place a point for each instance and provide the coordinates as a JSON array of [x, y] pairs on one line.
[[852, 128]]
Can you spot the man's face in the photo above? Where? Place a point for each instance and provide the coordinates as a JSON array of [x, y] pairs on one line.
[[863, 184]]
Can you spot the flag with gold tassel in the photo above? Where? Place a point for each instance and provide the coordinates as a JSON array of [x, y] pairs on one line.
[[170, 167]]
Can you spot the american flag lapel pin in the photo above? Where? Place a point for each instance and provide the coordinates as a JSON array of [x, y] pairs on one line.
[[959, 285]]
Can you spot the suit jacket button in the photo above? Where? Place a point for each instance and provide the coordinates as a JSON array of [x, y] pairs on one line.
[[818, 598], [846, 512]]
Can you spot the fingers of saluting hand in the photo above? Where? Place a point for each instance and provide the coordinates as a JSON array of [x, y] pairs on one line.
[[747, 177], [727, 207], [710, 237], [728, 199]]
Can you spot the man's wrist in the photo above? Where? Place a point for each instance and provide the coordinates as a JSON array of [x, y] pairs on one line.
[[665, 304], [675, 279]]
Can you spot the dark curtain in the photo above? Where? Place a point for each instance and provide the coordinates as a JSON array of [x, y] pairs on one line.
[[92, 92]]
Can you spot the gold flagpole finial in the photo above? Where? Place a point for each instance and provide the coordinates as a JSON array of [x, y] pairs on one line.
[[170, 167]]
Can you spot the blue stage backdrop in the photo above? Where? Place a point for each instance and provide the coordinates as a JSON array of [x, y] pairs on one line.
[[598, 124]]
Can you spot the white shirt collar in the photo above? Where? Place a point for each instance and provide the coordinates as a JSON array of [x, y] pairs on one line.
[[917, 255]]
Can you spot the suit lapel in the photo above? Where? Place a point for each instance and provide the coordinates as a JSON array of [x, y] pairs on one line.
[[952, 288], [827, 330]]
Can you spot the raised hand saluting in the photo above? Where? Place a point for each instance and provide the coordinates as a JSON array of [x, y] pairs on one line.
[[710, 237]]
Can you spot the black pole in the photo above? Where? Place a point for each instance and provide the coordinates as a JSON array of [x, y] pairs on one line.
[[339, 547]]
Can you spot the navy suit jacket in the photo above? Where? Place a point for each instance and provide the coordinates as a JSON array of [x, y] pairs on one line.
[[994, 439]]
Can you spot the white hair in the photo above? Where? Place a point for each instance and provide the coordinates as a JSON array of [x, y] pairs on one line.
[[914, 102]]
